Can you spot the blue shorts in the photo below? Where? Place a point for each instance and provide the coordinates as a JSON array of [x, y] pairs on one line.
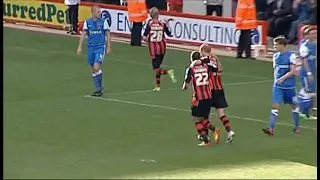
[[286, 96], [308, 86], [96, 55]]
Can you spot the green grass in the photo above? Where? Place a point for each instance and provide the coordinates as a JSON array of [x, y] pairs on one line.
[[52, 131]]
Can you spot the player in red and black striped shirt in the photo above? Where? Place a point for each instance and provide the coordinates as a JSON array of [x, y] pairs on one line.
[[198, 76], [219, 101], [155, 36]]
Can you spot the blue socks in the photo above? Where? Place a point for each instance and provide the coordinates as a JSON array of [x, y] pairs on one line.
[[295, 117], [273, 118], [97, 79], [305, 107], [274, 115]]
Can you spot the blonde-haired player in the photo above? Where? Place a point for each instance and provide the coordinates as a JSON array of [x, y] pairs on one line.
[[218, 100]]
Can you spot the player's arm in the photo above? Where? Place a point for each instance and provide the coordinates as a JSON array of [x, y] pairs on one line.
[[187, 79], [292, 69], [202, 60], [167, 29], [220, 68], [213, 68], [273, 63], [106, 27], [304, 52], [82, 37], [146, 32]]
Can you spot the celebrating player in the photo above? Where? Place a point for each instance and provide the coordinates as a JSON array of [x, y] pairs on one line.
[[219, 101], [97, 31], [308, 53], [284, 87], [155, 36], [201, 98]]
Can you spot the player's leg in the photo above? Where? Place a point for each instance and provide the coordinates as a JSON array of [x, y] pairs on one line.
[[305, 104], [91, 59], [156, 62], [97, 72], [277, 99], [206, 108], [291, 98], [167, 72], [220, 105], [313, 106], [309, 89], [219, 102], [226, 123], [201, 130], [201, 110]]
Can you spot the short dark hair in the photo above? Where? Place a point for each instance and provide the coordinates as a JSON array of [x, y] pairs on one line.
[[281, 40], [195, 55]]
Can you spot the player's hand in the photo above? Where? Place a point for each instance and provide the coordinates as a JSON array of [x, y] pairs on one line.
[[108, 50], [184, 86], [279, 81], [144, 38], [310, 78], [193, 64], [79, 51]]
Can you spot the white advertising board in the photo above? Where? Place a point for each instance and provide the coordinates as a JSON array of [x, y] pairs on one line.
[[187, 29]]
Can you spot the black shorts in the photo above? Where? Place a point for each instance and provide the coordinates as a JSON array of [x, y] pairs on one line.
[[218, 100], [202, 109], [157, 61]]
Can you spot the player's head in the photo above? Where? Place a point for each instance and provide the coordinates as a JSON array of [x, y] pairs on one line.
[[205, 50], [280, 43], [96, 12], [308, 32], [194, 55], [154, 13]]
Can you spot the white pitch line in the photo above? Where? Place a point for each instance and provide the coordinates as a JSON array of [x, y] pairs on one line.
[[129, 62], [179, 67], [175, 89], [184, 110], [138, 91]]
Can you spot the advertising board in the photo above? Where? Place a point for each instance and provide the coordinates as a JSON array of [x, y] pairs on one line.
[[43, 12], [186, 28]]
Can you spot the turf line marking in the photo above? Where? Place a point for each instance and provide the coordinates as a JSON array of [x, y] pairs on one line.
[[179, 67], [175, 89], [185, 110], [131, 62]]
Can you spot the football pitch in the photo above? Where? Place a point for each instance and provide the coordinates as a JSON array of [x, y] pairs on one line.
[[52, 129]]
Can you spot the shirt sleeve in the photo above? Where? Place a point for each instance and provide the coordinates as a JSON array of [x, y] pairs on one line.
[[106, 25], [147, 30], [85, 26], [212, 67], [303, 51], [187, 75], [293, 59], [167, 30], [274, 61]]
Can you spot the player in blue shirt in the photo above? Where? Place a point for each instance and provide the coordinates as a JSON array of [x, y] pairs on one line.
[[308, 55], [284, 86], [97, 31]]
